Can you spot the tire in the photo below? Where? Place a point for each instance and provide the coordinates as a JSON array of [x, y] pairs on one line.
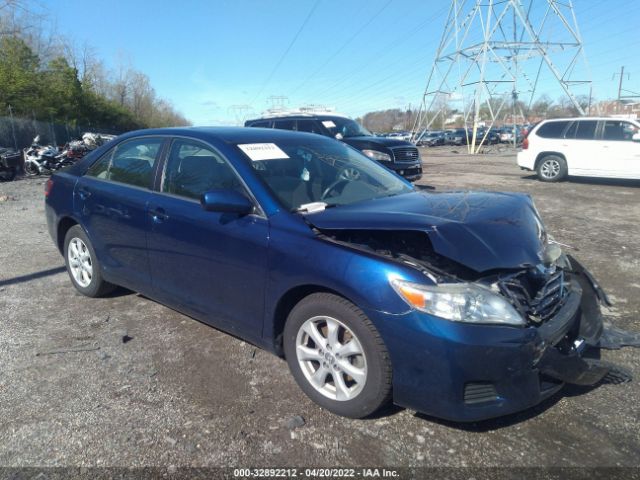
[[82, 264], [31, 169], [552, 168], [367, 359], [8, 175]]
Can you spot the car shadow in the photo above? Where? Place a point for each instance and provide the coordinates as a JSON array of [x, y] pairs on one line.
[[120, 292], [31, 276], [619, 182]]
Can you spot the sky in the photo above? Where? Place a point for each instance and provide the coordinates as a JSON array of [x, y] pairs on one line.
[[213, 58]]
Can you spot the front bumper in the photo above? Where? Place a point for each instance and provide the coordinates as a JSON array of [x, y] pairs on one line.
[[464, 372], [410, 171]]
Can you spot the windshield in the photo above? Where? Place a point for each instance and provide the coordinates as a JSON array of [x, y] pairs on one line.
[[321, 170], [345, 127]]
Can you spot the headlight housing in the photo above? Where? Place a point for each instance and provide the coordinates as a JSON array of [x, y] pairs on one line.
[[376, 155], [459, 302]]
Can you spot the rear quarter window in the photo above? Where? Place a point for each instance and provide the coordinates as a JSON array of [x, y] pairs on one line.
[[552, 129]]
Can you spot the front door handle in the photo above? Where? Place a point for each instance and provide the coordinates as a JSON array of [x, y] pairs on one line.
[[158, 215]]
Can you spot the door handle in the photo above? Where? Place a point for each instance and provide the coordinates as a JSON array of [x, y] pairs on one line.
[[84, 193], [158, 215]]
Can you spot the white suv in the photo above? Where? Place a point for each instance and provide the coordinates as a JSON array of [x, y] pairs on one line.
[[585, 146]]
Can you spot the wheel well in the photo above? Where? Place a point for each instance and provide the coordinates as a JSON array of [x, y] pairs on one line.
[[541, 155], [63, 227], [286, 304]]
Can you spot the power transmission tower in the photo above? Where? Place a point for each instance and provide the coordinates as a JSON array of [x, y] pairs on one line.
[[239, 113], [278, 103], [494, 53]]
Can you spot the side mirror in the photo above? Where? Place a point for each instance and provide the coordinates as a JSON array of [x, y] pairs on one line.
[[339, 136], [636, 137], [226, 201]]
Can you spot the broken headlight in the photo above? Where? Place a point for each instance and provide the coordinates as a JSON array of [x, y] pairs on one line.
[[460, 302]]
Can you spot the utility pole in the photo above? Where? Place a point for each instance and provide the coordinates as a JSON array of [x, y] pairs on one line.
[[620, 84], [494, 52], [619, 103]]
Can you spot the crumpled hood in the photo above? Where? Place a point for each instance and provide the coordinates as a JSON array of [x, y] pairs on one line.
[[482, 231]]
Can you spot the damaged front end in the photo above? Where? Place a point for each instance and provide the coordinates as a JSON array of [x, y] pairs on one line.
[[560, 299]]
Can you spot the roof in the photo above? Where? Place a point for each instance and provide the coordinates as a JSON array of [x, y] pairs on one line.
[[568, 119], [227, 134]]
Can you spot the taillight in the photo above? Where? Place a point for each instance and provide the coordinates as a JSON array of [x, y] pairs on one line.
[[47, 187], [525, 143]]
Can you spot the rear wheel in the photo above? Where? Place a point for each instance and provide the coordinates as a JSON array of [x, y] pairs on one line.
[[82, 264], [337, 356], [552, 168]]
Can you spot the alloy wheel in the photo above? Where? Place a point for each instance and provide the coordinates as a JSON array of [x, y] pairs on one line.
[[80, 262], [331, 358], [550, 168]]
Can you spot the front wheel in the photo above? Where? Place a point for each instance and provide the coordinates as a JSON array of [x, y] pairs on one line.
[[31, 169], [337, 356], [82, 264]]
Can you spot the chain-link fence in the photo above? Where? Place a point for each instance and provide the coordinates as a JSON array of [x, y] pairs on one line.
[[19, 133]]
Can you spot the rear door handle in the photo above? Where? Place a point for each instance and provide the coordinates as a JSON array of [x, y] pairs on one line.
[[158, 215], [84, 193]]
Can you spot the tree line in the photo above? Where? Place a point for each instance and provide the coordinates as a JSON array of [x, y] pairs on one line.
[[46, 77], [445, 116]]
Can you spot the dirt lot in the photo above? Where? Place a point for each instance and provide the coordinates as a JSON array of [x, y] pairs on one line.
[[182, 393]]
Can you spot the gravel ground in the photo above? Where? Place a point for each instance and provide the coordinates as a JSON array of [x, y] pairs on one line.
[[180, 393]]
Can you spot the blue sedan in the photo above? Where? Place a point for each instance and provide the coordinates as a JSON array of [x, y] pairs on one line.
[[458, 305]]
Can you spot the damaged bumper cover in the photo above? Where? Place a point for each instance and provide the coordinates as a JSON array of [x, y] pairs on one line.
[[474, 372]]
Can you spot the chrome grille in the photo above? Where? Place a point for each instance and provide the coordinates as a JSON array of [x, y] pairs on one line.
[[539, 299], [405, 154]]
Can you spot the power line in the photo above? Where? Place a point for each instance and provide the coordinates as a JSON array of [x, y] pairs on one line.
[[284, 54], [388, 50], [342, 47]]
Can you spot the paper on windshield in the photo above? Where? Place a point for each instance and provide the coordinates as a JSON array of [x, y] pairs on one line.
[[262, 151], [329, 124]]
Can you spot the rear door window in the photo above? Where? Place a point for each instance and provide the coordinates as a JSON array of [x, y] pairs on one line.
[[129, 162], [552, 129], [132, 162], [261, 124]]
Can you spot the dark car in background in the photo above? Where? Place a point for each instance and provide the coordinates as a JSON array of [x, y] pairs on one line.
[[400, 156], [457, 304], [456, 136], [431, 139]]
